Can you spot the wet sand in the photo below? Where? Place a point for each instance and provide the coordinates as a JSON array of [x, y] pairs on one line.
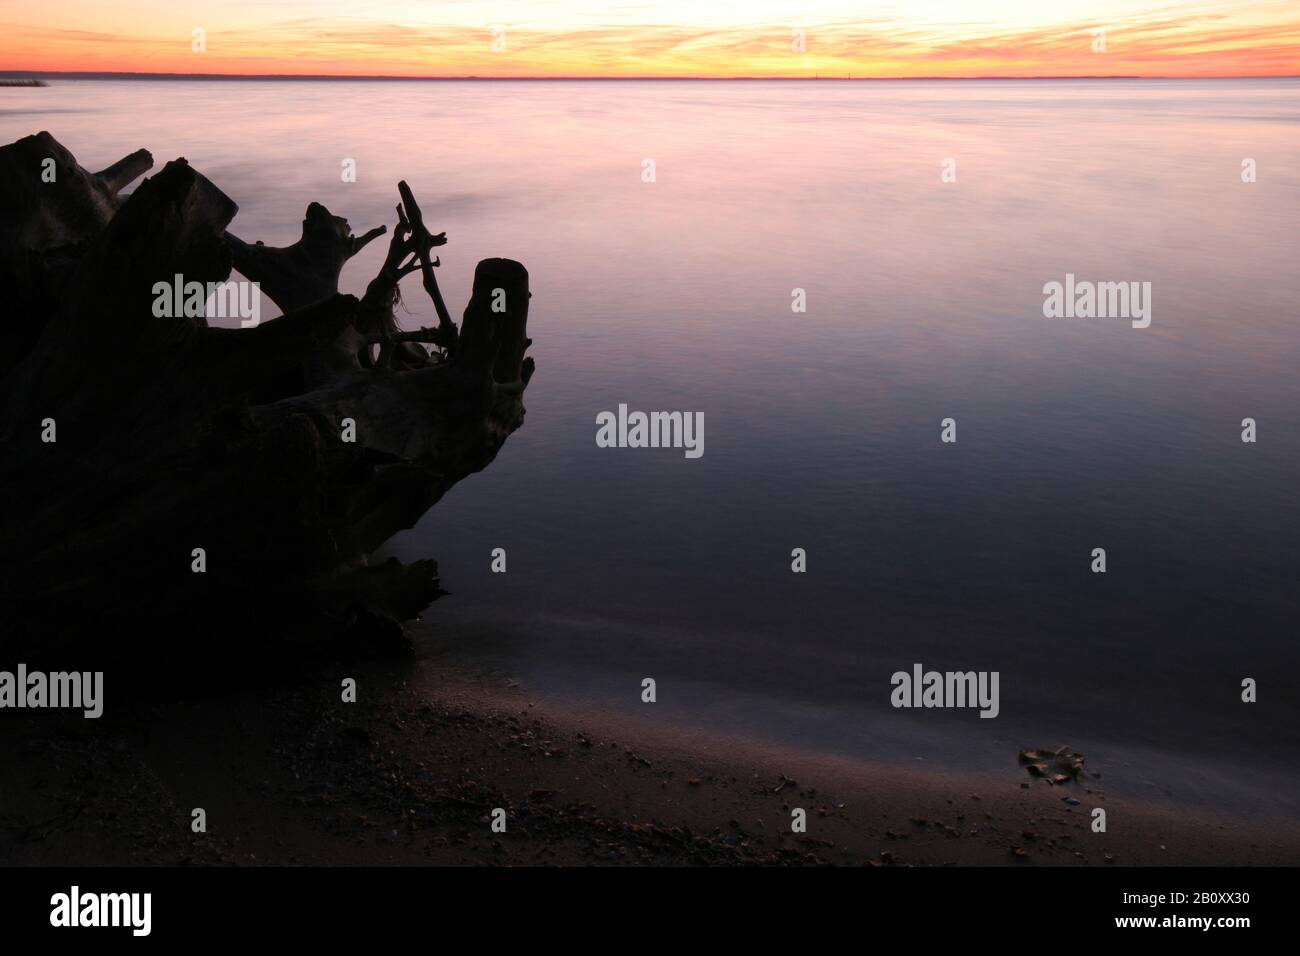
[[411, 772]]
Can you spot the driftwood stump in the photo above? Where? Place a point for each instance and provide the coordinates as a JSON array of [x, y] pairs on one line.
[[171, 435]]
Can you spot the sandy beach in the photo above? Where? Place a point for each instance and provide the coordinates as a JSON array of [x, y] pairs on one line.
[[411, 772]]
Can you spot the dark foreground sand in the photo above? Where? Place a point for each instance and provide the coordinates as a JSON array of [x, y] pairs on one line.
[[409, 776]]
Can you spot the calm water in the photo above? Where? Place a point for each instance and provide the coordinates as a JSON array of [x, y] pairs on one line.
[[822, 429]]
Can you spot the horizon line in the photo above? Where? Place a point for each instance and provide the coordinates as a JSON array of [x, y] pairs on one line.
[[133, 74]]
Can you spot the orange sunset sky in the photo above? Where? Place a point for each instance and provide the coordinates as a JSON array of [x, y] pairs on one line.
[[721, 38]]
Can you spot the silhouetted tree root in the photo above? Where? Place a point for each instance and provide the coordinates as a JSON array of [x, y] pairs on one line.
[[171, 435]]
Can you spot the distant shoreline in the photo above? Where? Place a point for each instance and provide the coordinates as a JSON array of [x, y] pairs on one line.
[[39, 75]]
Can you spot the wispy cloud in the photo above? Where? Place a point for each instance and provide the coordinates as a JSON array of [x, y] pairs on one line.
[[1172, 39]]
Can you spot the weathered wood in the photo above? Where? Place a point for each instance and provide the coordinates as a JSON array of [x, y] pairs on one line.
[[307, 271], [50, 207], [172, 435], [494, 331]]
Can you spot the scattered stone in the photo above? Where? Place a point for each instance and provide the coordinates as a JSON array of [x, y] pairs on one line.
[[1056, 766]]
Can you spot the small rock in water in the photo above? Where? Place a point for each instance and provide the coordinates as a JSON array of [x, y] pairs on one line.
[[1058, 766]]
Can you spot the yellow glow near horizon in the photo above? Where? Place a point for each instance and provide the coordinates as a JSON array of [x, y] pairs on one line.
[[666, 38]]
